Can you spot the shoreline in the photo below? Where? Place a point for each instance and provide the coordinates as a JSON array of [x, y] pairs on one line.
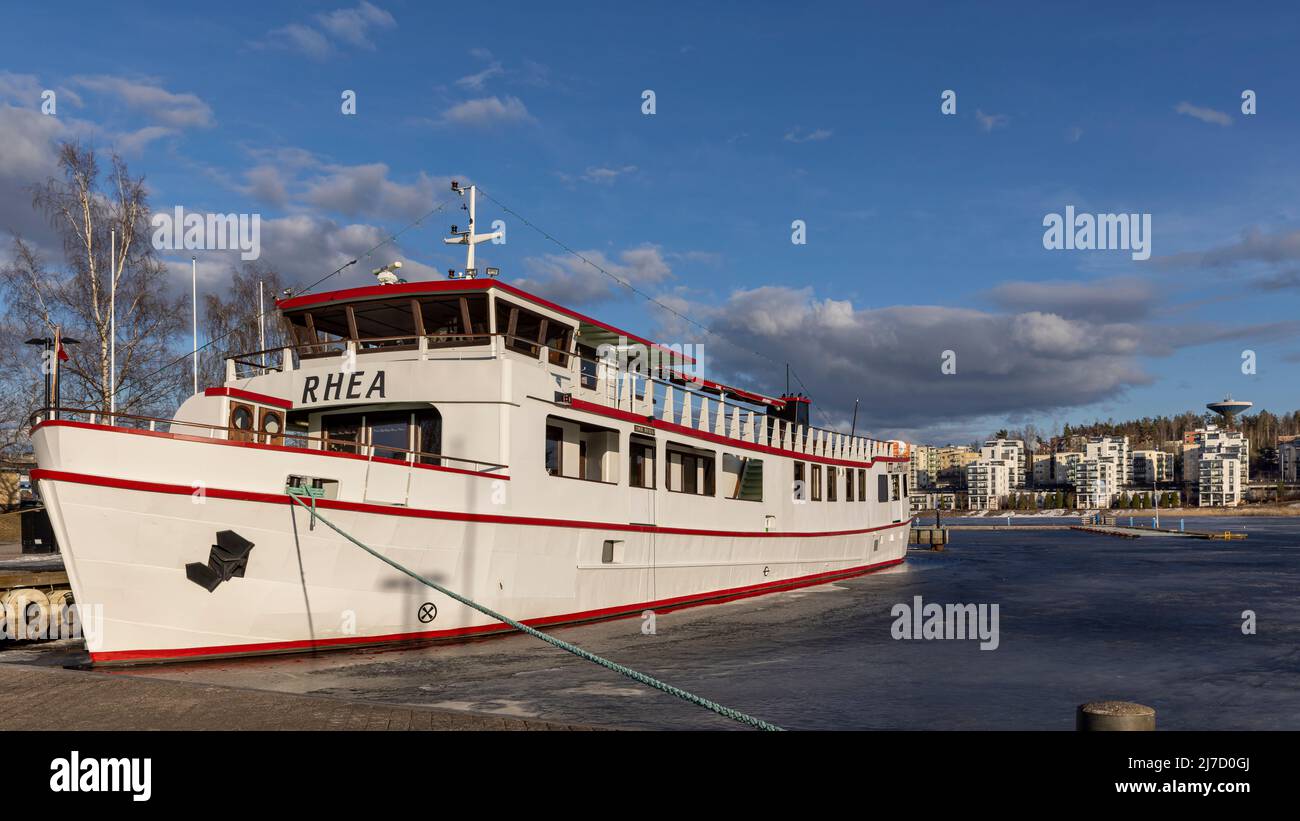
[[1285, 510]]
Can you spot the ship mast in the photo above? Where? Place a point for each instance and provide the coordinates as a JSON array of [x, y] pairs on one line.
[[469, 238]]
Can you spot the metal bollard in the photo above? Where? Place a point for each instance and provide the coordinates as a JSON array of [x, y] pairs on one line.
[[1102, 716]]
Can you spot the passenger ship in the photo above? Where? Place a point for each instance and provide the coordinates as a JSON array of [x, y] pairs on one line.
[[488, 439]]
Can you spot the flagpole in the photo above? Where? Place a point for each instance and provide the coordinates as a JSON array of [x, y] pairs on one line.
[[261, 322], [112, 324], [194, 301]]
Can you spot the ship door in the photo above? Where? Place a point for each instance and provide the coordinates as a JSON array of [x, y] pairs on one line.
[[640, 547]]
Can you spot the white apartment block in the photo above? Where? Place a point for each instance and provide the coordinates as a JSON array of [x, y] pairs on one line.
[[1096, 483], [988, 482], [1209, 442], [1042, 469], [1151, 467], [1218, 481], [1115, 450], [1288, 458], [1010, 451], [919, 472], [1062, 463]]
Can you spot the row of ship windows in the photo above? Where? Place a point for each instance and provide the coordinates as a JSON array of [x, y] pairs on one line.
[[578, 450]]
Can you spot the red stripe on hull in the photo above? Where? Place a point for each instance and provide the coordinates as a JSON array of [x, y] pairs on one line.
[[608, 613], [424, 513]]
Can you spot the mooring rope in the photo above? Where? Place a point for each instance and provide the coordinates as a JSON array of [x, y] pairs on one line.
[[735, 715]]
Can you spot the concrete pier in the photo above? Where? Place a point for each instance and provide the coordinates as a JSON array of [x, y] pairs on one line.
[[51, 698]]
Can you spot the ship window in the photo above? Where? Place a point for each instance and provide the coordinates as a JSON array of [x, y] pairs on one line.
[[894, 486], [641, 453], [455, 321], [526, 332], [272, 426], [848, 484], [341, 432], [800, 490], [428, 436], [742, 477], [862, 484], [689, 470], [577, 450], [832, 482], [554, 450], [587, 366], [816, 483], [390, 434], [241, 422], [882, 488]]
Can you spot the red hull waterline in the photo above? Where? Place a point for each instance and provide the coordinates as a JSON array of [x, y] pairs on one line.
[[129, 657]]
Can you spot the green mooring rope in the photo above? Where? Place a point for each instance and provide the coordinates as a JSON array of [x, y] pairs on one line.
[[735, 715]]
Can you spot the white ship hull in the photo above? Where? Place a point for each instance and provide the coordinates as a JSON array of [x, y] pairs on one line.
[[126, 543]]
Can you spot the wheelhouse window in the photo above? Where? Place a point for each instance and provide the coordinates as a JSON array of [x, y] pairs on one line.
[[882, 488], [816, 483], [862, 484], [800, 489], [641, 462], [689, 470], [445, 320], [577, 450], [526, 332], [832, 482], [848, 484]]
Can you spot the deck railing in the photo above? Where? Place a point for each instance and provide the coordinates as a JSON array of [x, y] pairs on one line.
[[291, 439], [677, 397]]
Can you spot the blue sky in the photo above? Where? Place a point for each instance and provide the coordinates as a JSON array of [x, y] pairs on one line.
[[924, 230]]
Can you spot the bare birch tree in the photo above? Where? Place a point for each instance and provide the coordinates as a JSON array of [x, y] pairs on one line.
[[83, 207]]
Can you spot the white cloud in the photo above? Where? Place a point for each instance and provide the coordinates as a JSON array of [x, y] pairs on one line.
[[797, 135], [476, 81], [1205, 115], [487, 111], [354, 27], [149, 98], [988, 122], [606, 175], [568, 280]]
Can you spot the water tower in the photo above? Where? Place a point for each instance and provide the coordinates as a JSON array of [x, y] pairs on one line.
[[1229, 408]]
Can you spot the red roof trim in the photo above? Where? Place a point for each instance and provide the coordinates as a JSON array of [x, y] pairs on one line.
[[240, 393]]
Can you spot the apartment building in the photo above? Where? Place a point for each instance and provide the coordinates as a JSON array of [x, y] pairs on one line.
[[1096, 482], [1218, 481], [1115, 450], [1010, 451], [1152, 467], [1288, 457], [988, 482], [1213, 442]]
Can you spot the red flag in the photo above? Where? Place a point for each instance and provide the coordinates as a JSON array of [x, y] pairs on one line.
[[63, 354]]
